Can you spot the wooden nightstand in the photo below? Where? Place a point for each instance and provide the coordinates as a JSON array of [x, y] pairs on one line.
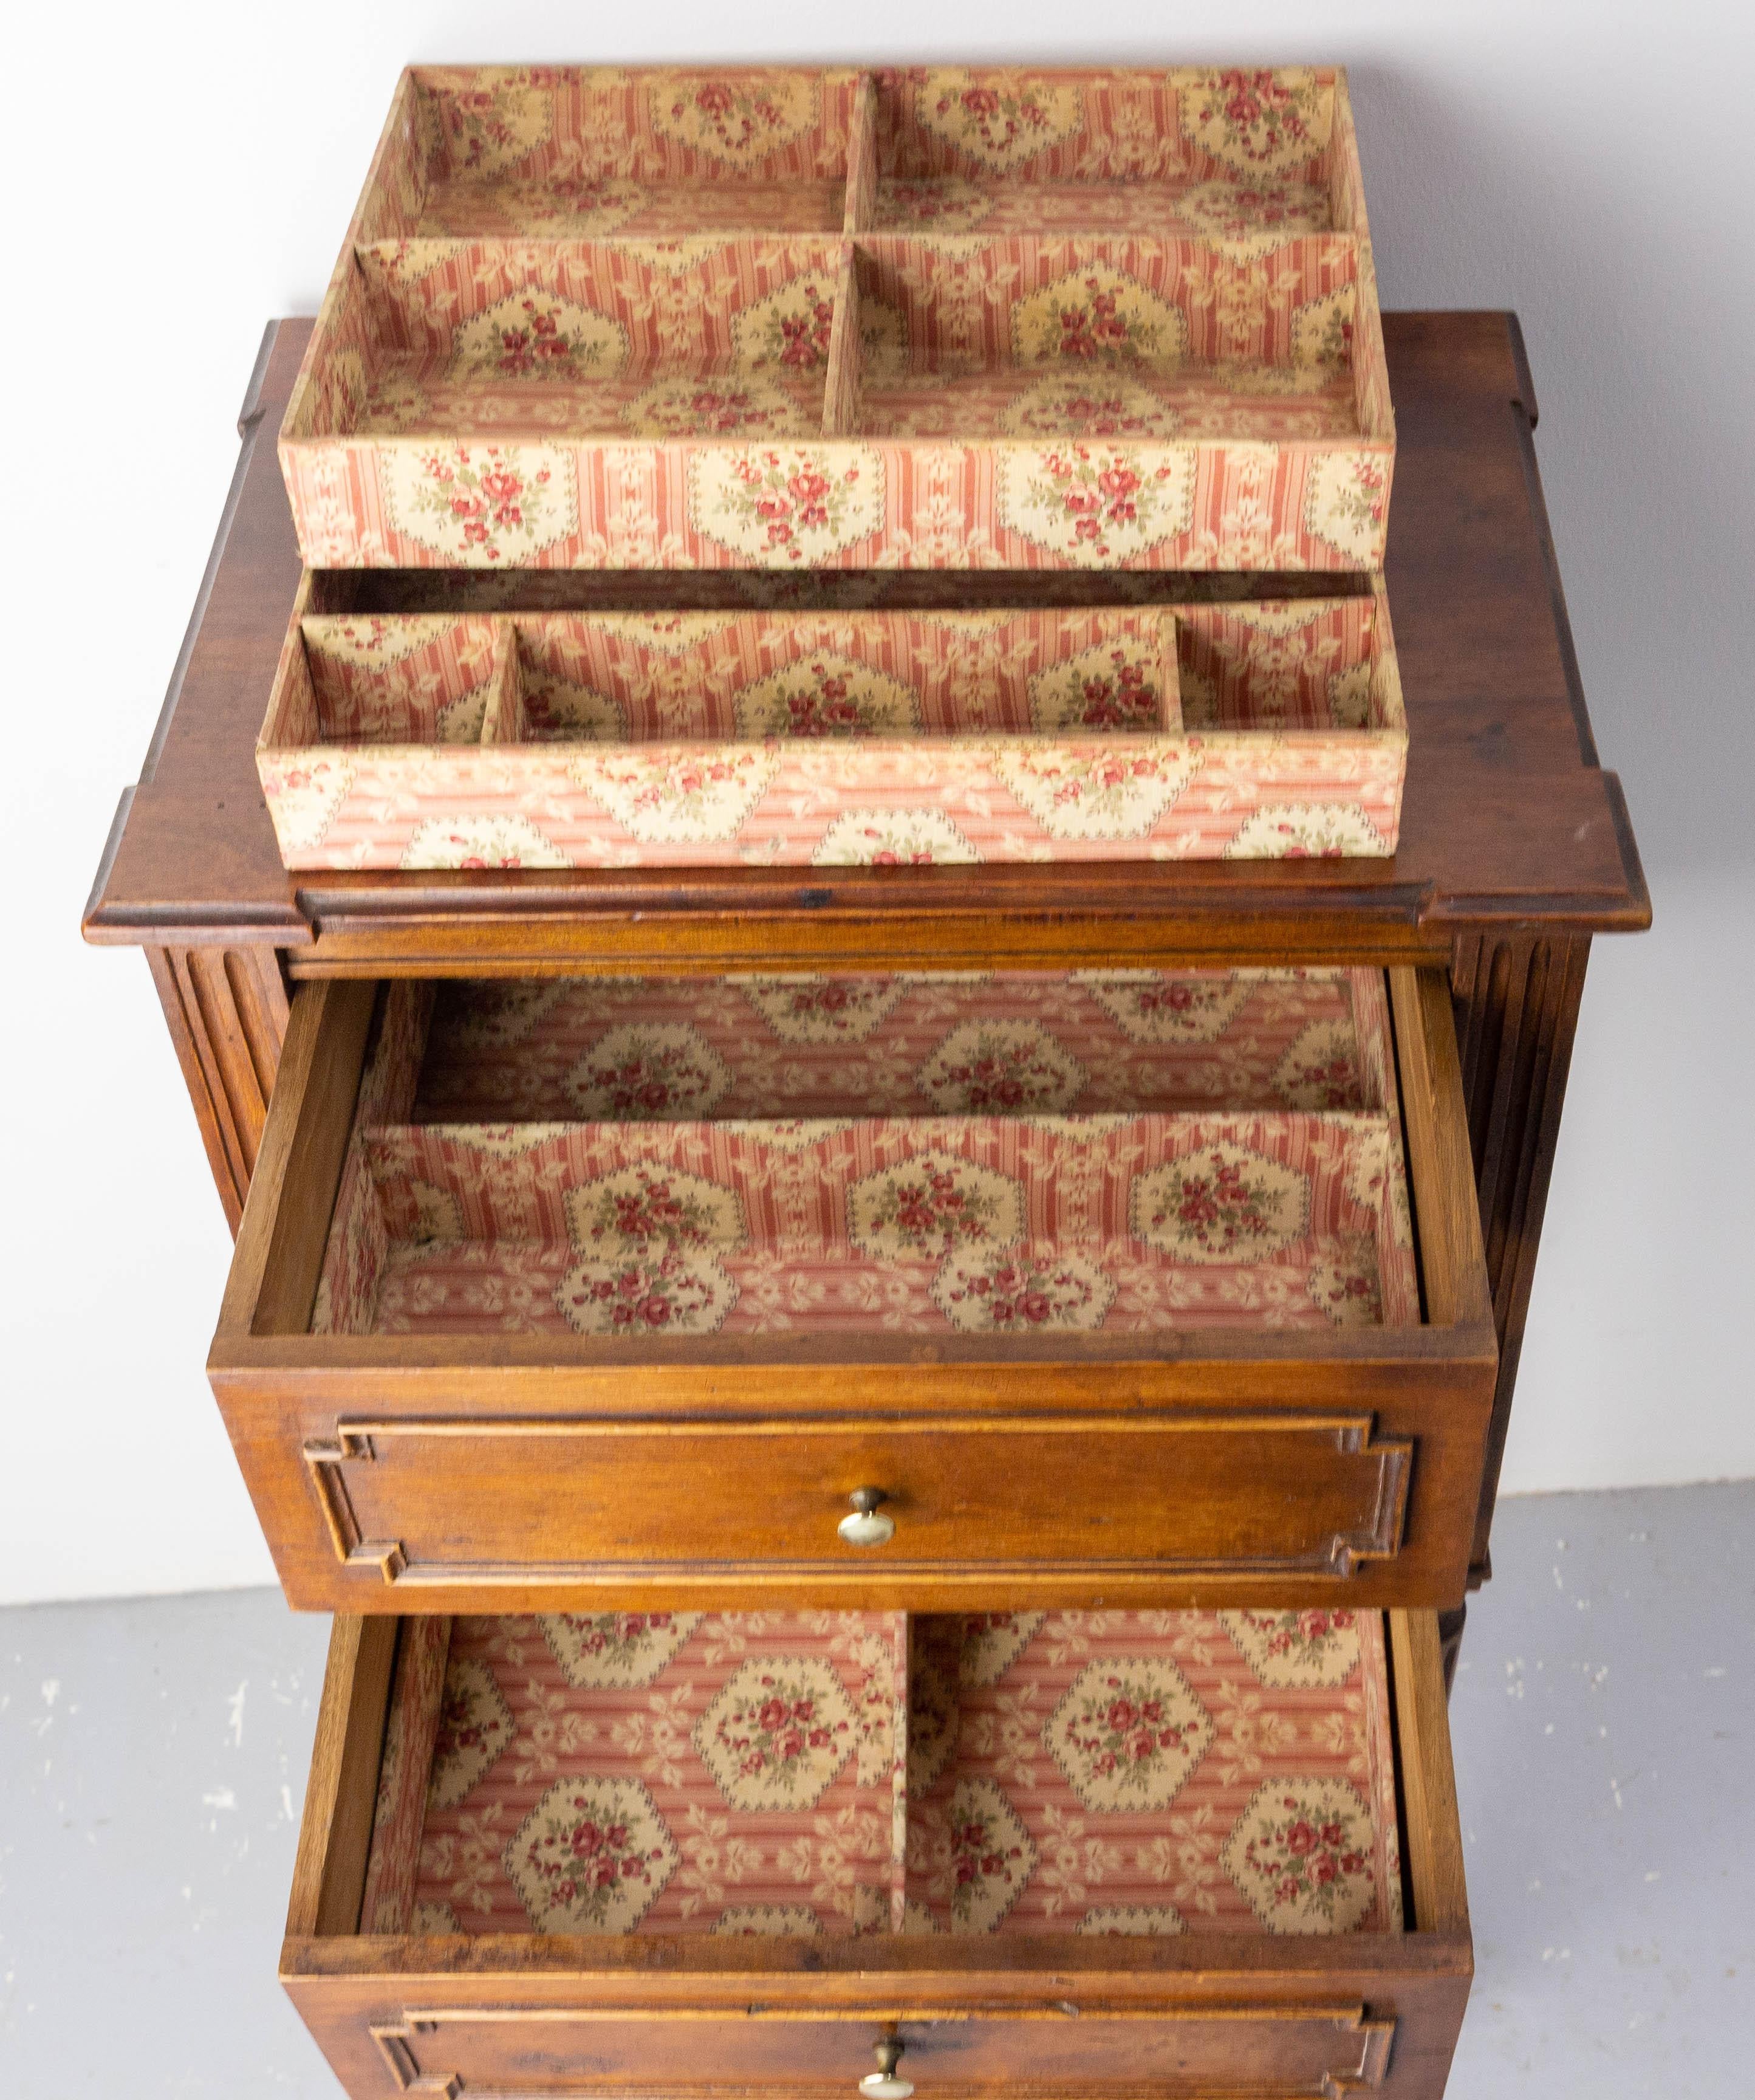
[[1352, 1470]]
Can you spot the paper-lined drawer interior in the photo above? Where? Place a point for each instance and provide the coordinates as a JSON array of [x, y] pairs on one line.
[[840, 1774], [1165, 1853], [1113, 1154]]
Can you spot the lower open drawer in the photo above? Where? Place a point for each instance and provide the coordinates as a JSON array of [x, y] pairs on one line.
[[1101, 1854]]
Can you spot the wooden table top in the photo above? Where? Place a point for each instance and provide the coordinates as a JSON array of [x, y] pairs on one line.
[[1508, 822]]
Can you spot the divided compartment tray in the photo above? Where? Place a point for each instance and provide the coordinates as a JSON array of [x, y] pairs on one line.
[[783, 318], [1298, 1822], [850, 1774], [606, 1288], [587, 739]]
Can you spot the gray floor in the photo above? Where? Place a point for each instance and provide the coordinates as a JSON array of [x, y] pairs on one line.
[[152, 1757]]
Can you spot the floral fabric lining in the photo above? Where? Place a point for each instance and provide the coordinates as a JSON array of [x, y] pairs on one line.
[[1002, 1042], [648, 1771], [836, 1775], [1026, 1209], [1265, 731], [1152, 1773], [585, 304]]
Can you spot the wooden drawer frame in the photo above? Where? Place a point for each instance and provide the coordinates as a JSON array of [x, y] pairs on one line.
[[1225, 1466], [1109, 2019]]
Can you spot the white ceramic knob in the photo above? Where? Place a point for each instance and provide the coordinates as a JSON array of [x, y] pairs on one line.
[[868, 1526], [883, 2084]]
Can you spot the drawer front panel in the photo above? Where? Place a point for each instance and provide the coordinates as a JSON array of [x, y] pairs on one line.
[[1289, 2051], [469, 1502]]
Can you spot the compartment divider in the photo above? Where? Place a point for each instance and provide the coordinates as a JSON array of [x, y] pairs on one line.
[[862, 159], [1169, 674], [842, 376], [503, 720]]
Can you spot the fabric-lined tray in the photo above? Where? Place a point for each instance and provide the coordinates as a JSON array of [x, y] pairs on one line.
[[927, 317], [582, 739], [836, 1775]]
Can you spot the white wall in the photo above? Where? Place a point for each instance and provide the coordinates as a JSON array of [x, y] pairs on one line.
[[179, 174]]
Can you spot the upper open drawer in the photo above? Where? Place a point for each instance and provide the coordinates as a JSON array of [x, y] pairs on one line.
[[1107, 1286], [789, 319]]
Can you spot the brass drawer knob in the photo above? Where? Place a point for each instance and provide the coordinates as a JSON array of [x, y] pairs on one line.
[[883, 2084], [868, 1526]]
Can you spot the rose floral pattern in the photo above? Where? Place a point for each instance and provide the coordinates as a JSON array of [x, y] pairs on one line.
[[534, 336], [843, 1217], [644, 1072], [1145, 1041], [991, 1641], [1294, 831], [714, 408], [789, 330], [707, 217], [494, 120], [1154, 1006], [946, 204], [598, 1649], [776, 1736], [812, 1009], [1119, 1764], [1027, 1294], [655, 1773], [1098, 315], [997, 121], [475, 1727], [496, 503], [593, 1855], [1347, 502], [1318, 1071], [1128, 1732], [985, 1854], [638, 1205], [827, 695], [1257, 121], [687, 796], [1224, 1204], [1087, 405], [740, 119], [934, 1204], [482, 842], [1302, 1854], [1096, 504], [1342, 1280], [1118, 792], [1317, 1646], [1116, 687], [778, 506], [1003, 1068], [893, 838], [665, 1291]]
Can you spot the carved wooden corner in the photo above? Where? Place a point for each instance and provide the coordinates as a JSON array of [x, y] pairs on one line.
[[226, 1010], [1516, 1000]]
